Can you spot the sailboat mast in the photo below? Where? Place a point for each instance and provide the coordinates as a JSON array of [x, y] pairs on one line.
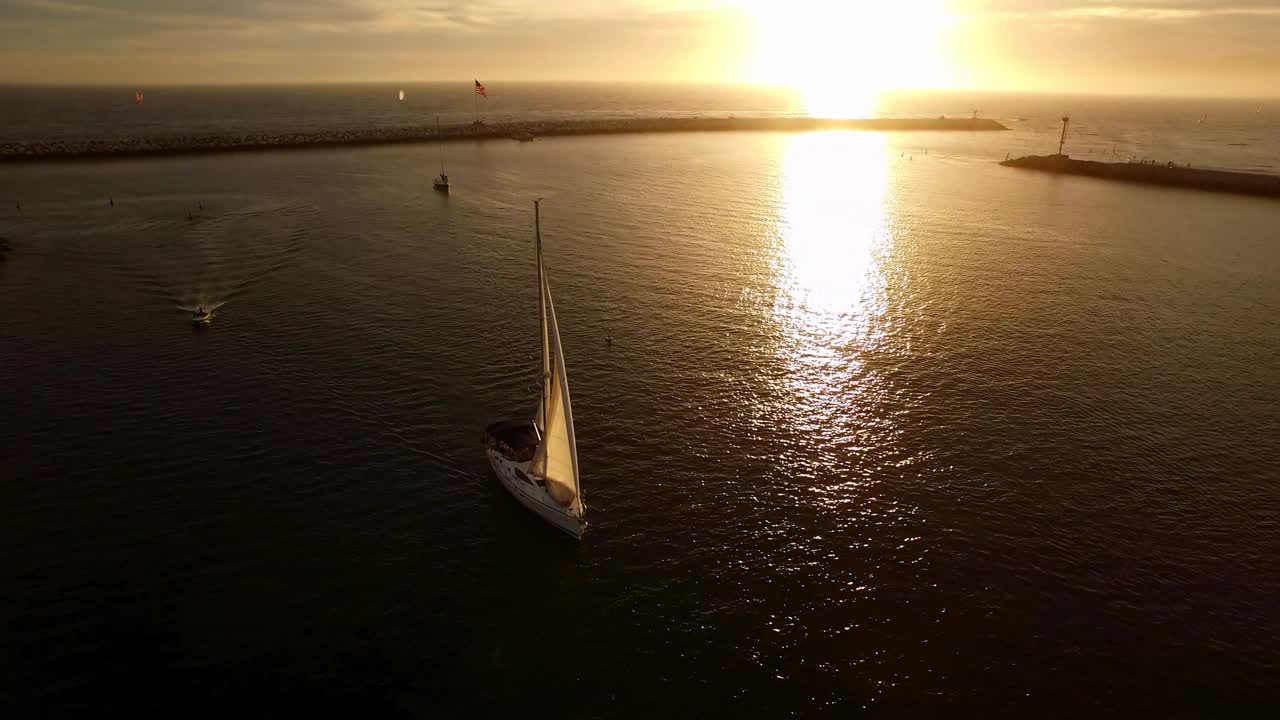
[[440, 142], [542, 312]]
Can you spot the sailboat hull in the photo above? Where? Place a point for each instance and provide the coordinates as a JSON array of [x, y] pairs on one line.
[[515, 477]]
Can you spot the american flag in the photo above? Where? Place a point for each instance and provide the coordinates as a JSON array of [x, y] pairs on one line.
[[480, 90]]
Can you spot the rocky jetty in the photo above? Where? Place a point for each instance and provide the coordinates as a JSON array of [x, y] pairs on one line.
[[1168, 174], [35, 151]]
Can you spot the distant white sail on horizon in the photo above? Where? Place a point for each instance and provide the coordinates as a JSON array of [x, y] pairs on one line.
[[402, 95]]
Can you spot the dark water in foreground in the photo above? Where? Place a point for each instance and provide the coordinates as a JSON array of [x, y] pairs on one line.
[[911, 434]]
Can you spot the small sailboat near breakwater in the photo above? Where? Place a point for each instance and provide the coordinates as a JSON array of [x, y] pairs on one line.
[[537, 459], [200, 316], [441, 183]]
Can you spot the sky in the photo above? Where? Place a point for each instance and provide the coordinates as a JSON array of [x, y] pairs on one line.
[[1148, 47]]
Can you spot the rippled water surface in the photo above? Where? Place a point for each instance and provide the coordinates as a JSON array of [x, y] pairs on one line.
[[878, 429]]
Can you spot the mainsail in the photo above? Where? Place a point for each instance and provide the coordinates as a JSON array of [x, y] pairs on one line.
[[556, 460]]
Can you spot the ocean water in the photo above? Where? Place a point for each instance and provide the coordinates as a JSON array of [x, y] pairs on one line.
[[1227, 134], [880, 431]]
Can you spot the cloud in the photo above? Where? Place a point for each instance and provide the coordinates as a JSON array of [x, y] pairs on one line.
[[353, 40], [1171, 47], [1149, 10], [56, 19], [1166, 46]]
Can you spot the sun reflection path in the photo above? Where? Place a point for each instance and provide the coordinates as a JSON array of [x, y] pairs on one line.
[[832, 229], [826, 401], [832, 257]]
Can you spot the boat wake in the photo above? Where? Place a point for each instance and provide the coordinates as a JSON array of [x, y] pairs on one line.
[[197, 304], [207, 264]]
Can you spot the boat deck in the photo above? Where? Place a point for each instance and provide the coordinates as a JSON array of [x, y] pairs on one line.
[[516, 439]]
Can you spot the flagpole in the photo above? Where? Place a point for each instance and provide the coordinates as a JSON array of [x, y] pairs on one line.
[[475, 105]]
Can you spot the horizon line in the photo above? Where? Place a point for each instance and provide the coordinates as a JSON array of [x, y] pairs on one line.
[[654, 83]]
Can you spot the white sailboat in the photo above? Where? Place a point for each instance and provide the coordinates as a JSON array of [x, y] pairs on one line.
[[537, 459], [441, 183]]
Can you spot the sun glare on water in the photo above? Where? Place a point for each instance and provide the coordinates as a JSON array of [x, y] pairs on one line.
[[841, 54]]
